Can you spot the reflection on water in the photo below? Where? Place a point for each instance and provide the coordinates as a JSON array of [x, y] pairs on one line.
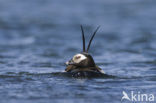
[[38, 36]]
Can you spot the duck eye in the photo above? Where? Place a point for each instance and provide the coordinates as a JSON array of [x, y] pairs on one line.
[[77, 57]]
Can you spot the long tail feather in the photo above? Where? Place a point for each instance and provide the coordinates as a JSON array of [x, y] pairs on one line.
[[92, 38], [83, 38]]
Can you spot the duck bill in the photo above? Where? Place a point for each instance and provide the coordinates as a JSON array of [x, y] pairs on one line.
[[70, 62]]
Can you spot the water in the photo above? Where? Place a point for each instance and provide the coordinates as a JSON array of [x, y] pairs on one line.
[[38, 36]]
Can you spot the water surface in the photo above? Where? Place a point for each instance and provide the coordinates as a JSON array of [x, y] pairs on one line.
[[37, 37]]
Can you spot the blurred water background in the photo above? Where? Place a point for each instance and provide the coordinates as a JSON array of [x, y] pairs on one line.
[[38, 36]]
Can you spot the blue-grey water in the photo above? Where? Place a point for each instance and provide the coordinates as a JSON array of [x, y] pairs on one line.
[[38, 36]]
